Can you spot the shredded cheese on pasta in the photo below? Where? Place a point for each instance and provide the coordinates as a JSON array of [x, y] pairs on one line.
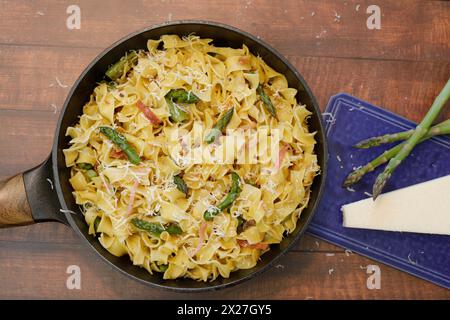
[[271, 198]]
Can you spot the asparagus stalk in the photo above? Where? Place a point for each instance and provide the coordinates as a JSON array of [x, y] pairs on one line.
[[266, 101], [177, 114], [179, 96], [393, 137], [84, 166], [228, 201], [218, 128], [156, 228], [96, 223], [122, 143], [89, 169], [181, 185], [91, 174], [420, 131], [163, 267], [357, 174], [123, 65], [182, 96]]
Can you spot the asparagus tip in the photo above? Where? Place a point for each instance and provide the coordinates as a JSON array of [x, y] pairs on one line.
[[361, 145], [351, 179], [379, 184]]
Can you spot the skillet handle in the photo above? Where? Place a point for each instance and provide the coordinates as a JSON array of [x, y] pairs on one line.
[[30, 197], [14, 207]]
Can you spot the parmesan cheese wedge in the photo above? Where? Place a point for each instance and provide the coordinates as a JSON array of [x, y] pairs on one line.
[[422, 208]]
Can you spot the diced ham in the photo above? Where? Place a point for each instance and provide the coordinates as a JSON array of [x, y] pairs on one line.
[[201, 238], [117, 154], [245, 244], [281, 154], [132, 196], [148, 113], [244, 60]]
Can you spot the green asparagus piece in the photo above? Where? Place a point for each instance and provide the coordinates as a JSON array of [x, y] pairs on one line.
[[175, 96], [228, 201], [163, 267], [91, 174], [181, 185], [266, 101], [110, 84], [389, 138], [240, 226], [218, 128], [156, 228], [122, 143], [182, 96], [177, 114], [357, 174], [122, 66], [420, 131], [89, 169], [96, 223], [85, 166]]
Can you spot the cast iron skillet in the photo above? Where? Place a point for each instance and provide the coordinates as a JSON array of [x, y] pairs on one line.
[[28, 198]]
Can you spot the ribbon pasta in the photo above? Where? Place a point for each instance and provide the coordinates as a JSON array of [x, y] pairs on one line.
[[116, 191]]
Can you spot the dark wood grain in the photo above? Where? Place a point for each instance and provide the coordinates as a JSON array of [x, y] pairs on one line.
[[402, 86], [299, 275], [400, 67], [411, 30]]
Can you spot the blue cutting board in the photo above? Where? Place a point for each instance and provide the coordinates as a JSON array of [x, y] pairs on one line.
[[349, 120]]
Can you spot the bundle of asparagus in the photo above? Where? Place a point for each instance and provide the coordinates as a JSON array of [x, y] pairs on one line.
[[398, 153]]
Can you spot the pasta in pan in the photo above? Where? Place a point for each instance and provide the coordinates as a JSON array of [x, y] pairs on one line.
[[140, 193]]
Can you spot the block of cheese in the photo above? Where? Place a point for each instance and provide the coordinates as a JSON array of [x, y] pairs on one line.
[[423, 208]]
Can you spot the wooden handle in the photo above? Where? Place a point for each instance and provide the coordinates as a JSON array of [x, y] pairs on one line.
[[14, 207]]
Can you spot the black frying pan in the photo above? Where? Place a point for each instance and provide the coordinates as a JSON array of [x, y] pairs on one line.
[[28, 198]]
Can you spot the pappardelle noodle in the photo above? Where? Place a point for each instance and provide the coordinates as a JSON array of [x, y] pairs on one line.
[[194, 220]]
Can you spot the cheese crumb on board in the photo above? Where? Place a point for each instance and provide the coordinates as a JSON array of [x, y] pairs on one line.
[[422, 208]]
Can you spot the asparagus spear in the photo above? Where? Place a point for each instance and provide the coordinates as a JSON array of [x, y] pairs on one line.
[[110, 84], [218, 128], [182, 96], [355, 176], [420, 131], [122, 66], [91, 174], [89, 169], [163, 267], [266, 101], [389, 138], [176, 113], [96, 223], [181, 185], [228, 201], [122, 143], [179, 96], [240, 226], [84, 166], [156, 228]]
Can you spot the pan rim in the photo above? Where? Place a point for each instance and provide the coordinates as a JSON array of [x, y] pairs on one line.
[[313, 206]]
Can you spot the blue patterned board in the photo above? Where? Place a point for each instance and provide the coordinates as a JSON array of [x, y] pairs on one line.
[[349, 120]]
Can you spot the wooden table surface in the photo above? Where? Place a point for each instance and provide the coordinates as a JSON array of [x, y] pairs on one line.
[[400, 67]]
